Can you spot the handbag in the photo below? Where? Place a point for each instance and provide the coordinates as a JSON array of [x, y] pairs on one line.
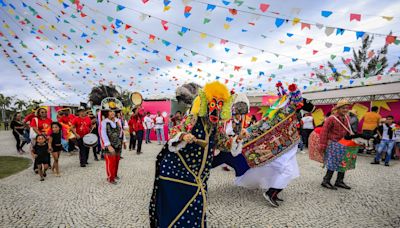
[[32, 133]]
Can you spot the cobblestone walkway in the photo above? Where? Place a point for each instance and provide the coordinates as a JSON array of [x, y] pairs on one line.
[[82, 198]]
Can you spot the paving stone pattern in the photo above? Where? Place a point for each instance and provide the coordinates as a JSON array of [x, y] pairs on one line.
[[81, 197]]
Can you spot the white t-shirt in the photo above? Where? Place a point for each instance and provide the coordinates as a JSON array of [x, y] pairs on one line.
[[159, 122], [385, 134], [308, 122], [148, 122]]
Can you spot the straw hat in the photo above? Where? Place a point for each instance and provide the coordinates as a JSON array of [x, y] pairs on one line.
[[341, 103]]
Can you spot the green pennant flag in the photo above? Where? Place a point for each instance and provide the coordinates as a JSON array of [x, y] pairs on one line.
[[73, 16], [231, 75], [333, 57], [397, 42], [251, 8], [66, 22], [109, 19], [249, 71], [72, 30], [99, 1], [238, 2], [193, 53], [206, 20], [17, 17], [280, 66], [379, 66], [180, 33]]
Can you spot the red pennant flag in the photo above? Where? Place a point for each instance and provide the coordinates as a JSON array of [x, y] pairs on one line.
[[129, 40], [355, 16], [309, 40], [223, 41], [63, 13], [188, 9], [83, 15], [152, 37], [226, 81], [38, 16], [116, 52], [145, 1], [264, 7], [321, 67], [390, 39], [252, 23], [314, 52], [233, 11], [127, 26], [40, 31], [112, 26], [104, 27], [237, 68], [168, 58], [63, 61], [87, 41], [305, 25], [164, 24]]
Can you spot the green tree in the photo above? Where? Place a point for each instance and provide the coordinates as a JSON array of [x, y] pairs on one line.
[[20, 104], [5, 102]]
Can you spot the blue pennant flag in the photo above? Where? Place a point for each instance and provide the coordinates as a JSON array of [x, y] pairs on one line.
[[346, 49], [229, 19], [326, 13], [12, 6], [227, 49], [210, 7], [166, 43], [213, 61], [187, 15], [24, 5], [84, 35], [279, 22], [339, 31], [190, 64], [65, 5], [289, 34], [178, 48], [226, 2], [118, 23], [3, 4], [359, 34]]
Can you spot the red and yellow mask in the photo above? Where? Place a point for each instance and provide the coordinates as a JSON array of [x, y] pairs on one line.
[[214, 110]]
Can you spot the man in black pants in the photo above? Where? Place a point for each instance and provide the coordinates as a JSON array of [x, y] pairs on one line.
[[138, 128], [80, 127]]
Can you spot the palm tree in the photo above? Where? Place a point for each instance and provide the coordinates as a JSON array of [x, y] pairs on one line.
[[5, 102], [20, 104]]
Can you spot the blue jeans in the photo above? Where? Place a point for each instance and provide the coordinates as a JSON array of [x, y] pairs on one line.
[[385, 143], [148, 135], [160, 135]]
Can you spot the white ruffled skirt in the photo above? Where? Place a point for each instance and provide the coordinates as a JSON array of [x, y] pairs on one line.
[[276, 174]]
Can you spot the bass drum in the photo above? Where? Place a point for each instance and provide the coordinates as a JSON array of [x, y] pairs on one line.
[[90, 140]]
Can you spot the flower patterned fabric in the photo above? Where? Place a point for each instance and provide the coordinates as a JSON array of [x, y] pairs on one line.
[[340, 157], [314, 152]]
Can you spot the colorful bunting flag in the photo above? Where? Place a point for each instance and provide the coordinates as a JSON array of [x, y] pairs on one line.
[[305, 25], [279, 22], [264, 7], [359, 34], [120, 7], [164, 24], [325, 13], [355, 16], [309, 40]]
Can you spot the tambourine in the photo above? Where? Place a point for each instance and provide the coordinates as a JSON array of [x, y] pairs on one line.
[[136, 98]]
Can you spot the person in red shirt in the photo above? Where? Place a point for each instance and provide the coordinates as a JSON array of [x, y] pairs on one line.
[[132, 133], [136, 122], [335, 127], [80, 127], [41, 124]]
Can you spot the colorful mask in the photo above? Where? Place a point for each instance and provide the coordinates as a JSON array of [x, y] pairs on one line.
[[214, 110]]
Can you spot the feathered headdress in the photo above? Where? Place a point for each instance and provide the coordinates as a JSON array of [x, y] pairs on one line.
[[212, 90], [101, 92], [241, 104], [187, 93]]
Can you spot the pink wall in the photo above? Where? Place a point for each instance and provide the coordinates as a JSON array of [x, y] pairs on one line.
[[153, 107], [394, 107], [254, 111]]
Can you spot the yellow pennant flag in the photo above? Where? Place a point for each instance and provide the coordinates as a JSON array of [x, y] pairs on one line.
[[52, 27], [281, 41], [166, 8], [387, 18], [6, 26], [203, 35], [93, 28], [178, 67], [210, 45], [295, 20], [60, 1], [121, 36], [108, 41], [253, 59], [10, 11], [42, 27], [226, 26]]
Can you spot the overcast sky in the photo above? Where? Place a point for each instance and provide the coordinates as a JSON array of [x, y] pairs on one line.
[[253, 43]]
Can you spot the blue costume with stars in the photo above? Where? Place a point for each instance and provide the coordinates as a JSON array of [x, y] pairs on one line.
[[180, 186]]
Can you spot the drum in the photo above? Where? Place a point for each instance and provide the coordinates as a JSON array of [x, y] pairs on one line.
[[90, 140], [136, 98]]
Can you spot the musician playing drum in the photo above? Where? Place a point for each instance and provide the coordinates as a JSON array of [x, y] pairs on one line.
[[80, 127], [112, 137]]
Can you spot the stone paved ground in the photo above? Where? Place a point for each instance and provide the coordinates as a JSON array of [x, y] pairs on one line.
[[82, 198]]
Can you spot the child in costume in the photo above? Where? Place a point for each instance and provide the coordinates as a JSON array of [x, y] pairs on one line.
[[183, 166]]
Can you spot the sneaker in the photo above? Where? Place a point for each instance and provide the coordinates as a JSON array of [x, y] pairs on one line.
[[44, 174], [83, 165], [386, 163], [278, 199], [42, 179], [96, 159], [269, 199]]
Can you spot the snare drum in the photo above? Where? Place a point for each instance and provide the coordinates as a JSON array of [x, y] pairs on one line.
[[90, 140]]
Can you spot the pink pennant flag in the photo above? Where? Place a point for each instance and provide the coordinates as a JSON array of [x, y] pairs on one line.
[[347, 61], [223, 41], [305, 25], [314, 52], [145, 1], [309, 40], [168, 58], [164, 24], [355, 16], [264, 7]]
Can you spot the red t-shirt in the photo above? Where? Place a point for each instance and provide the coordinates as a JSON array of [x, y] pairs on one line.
[[29, 117], [82, 125], [44, 126], [137, 123]]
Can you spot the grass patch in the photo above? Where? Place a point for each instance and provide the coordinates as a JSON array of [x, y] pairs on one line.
[[10, 165]]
